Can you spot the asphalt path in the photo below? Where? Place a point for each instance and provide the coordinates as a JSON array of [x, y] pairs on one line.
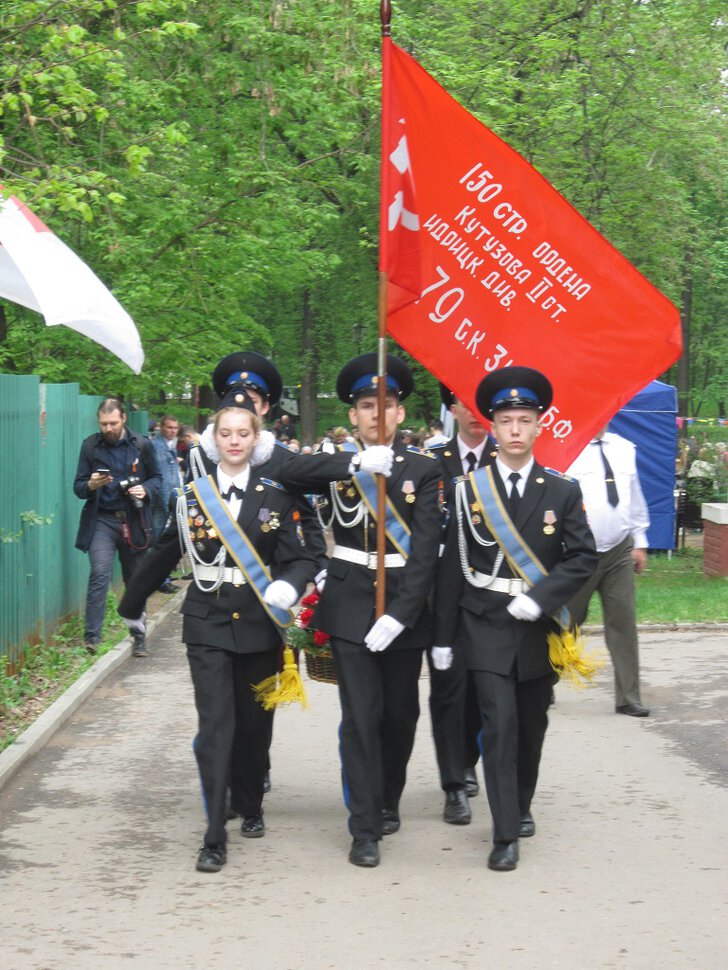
[[99, 832]]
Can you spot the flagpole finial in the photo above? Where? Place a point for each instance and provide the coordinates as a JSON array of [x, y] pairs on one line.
[[385, 15]]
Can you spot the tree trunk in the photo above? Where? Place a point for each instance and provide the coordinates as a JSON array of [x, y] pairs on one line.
[[309, 375], [683, 364]]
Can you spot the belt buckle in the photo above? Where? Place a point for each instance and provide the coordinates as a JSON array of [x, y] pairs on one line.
[[514, 586]]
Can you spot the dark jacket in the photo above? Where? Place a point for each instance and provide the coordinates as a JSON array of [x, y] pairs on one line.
[[347, 604], [232, 617], [92, 457], [478, 618]]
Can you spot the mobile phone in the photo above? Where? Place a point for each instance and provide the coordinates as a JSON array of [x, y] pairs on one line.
[[103, 471]]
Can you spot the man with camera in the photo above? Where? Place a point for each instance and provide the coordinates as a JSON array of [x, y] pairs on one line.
[[118, 477]]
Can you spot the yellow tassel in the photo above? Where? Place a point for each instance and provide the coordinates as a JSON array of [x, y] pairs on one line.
[[285, 688], [569, 658]]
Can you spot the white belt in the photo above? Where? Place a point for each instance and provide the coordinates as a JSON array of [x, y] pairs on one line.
[[511, 586], [368, 559], [231, 574]]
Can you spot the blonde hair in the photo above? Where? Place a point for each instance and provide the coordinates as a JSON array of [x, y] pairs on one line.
[[255, 422]]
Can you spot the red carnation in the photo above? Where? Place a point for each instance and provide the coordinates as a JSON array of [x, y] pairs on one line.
[[320, 638]]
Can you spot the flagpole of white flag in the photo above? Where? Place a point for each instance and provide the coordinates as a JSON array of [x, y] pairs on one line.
[[38, 271]]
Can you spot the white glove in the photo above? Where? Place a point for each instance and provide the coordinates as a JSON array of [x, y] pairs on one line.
[[138, 626], [377, 460], [382, 633], [441, 658], [320, 580], [280, 594], [522, 607]]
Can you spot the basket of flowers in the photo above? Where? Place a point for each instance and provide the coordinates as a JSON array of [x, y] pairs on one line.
[[314, 643]]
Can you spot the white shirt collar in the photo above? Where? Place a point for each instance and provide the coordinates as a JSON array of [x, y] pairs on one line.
[[240, 481], [477, 450], [504, 471]]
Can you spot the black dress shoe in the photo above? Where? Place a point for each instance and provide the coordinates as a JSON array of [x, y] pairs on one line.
[[168, 587], [364, 852], [634, 710], [457, 811], [390, 821], [527, 827], [211, 858], [471, 782], [266, 783], [504, 857], [252, 826]]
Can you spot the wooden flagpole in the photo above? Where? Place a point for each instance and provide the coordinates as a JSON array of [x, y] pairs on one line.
[[385, 15]]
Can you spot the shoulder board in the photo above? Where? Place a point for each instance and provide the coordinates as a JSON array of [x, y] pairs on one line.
[[414, 450], [436, 449], [272, 484], [282, 444], [552, 471]]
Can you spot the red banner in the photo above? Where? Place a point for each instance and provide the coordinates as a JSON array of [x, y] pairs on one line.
[[506, 270]]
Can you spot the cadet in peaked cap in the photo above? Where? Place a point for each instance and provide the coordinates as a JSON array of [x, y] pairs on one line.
[[514, 387], [359, 376], [251, 370], [378, 662], [517, 550]]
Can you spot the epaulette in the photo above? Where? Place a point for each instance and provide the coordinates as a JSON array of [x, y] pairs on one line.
[[182, 490], [414, 450], [556, 474], [273, 484]]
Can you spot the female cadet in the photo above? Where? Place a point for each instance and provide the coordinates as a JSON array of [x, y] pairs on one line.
[[240, 531]]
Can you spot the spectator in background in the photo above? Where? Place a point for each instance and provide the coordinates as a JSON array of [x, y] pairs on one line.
[[117, 475], [618, 517], [168, 462], [437, 435]]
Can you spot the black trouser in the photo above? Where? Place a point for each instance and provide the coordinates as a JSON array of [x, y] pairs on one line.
[[230, 719], [514, 725], [108, 539], [455, 720], [380, 706]]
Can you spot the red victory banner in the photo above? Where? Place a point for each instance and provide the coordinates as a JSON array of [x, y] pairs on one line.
[[488, 266]]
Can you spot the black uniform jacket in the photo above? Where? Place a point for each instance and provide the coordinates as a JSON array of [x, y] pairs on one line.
[[449, 455], [347, 604], [92, 457], [552, 522], [232, 617], [299, 474]]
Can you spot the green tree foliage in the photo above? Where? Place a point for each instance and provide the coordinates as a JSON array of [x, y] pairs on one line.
[[217, 163]]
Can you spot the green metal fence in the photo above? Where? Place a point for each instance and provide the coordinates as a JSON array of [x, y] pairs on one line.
[[42, 576]]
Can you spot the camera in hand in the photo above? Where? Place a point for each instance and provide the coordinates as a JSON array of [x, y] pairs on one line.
[[126, 483]]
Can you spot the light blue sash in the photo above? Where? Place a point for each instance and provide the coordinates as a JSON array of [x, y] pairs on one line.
[[521, 558], [238, 546], [398, 532]]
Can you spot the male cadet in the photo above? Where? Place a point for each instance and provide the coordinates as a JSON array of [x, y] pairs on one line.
[[378, 661], [518, 548], [249, 372], [453, 705]]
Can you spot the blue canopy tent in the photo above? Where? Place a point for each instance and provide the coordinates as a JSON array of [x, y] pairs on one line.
[[649, 421]]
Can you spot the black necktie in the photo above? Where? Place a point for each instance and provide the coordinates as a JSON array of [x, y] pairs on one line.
[[514, 500], [472, 461], [233, 492], [612, 496]]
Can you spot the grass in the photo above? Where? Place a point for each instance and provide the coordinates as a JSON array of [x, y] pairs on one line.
[[50, 668], [674, 590]]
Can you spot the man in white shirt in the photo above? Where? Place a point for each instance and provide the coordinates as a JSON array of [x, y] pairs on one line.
[[618, 517]]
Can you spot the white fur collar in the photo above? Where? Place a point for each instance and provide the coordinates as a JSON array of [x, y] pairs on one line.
[[261, 453]]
